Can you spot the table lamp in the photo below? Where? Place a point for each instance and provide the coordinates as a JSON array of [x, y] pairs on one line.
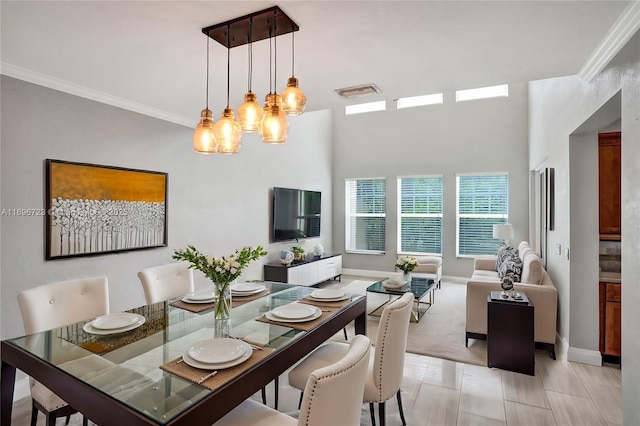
[[503, 231]]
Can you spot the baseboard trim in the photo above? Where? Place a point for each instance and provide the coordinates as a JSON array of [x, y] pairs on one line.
[[584, 356], [21, 389]]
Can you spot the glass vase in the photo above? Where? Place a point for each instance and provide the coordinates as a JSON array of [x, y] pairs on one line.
[[406, 277], [222, 307]]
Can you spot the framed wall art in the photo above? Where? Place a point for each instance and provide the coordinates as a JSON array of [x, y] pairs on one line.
[[94, 209]]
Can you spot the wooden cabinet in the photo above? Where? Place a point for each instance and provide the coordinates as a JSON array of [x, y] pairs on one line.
[[308, 272], [610, 318], [609, 184]]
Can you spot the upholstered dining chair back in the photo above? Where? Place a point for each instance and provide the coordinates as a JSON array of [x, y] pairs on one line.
[[390, 346], [333, 394], [60, 303], [54, 305], [165, 282]]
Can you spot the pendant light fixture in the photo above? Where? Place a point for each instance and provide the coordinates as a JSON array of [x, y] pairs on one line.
[[270, 121], [293, 99], [203, 140], [274, 127], [227, 131], [250, 112]]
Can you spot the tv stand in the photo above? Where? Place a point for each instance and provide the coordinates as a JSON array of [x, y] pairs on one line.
[[307, 272]]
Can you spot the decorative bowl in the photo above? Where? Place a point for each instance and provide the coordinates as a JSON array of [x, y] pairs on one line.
[[286, 257]]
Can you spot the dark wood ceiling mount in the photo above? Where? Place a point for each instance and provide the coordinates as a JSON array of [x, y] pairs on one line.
[[260, 22]]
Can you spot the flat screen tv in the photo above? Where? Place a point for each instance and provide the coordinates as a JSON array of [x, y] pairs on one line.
[[296, 214]]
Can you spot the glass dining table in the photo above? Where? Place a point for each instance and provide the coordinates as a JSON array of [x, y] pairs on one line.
[[137, 377]]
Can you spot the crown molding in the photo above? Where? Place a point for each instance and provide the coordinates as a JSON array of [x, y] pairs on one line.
[[622, 30], [84, 92]]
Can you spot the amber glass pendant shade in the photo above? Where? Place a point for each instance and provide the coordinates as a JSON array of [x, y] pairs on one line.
[[250, 114], [203, 140], [274, 127], [293, 99], [227, 133]]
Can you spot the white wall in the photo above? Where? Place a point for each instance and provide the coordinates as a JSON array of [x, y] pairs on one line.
[[487, 135], [217, 203], [557, 108]]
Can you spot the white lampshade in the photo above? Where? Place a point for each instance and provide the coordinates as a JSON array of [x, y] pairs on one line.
[[503, 231]]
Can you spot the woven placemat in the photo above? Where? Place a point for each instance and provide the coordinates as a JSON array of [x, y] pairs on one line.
[[241, 300], [193, 307], [307, 325], [187, 372], [325, 304]]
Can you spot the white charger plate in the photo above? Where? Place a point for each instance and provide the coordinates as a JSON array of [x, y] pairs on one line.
[[116, 321], [294, 311], [337, 299], [246, 287], [327, 293], [218, 366], [199, 296], [187, 300], [316, 314], [248, 293], [216, 351], [89, 328]]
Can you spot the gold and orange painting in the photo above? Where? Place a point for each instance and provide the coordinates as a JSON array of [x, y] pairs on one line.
[[93, 209]]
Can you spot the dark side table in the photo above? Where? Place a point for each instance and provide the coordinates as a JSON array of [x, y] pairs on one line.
[[510, 338]]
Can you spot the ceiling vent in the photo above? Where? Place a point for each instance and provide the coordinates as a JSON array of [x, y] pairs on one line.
[[355, 91]]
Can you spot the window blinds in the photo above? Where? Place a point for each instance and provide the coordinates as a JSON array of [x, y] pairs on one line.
[[420, 215], [365, 214], [483, 200]]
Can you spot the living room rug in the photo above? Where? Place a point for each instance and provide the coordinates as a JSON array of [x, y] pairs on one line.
[[441, 330]]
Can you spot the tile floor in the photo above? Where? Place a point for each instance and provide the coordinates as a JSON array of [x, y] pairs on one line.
[[442, 392]]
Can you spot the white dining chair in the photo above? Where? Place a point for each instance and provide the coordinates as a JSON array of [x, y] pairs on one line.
[[385, 373], [165, 282], [332, 395], [54, 305]]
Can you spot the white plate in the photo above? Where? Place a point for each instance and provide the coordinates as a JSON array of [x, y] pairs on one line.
[[337, 299], [217, 366], [326, 293], [89, 328], [246, 287], [187, 300], [201, 295], [272, 317], [294, 311], [116, 321], [248, 293], [216, 351]]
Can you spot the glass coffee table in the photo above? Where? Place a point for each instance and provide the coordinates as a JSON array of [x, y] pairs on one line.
[[420, 287]]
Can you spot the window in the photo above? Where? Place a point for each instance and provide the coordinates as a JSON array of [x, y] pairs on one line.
[[483, 200], [420, 215], [415, 101], [368, 107], [365, 214], [482, 93]]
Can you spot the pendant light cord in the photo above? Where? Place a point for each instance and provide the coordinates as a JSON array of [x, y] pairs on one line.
[[275, 52], [228, 61], [250, 60], [293, 51], [207, 79], [270, 61]]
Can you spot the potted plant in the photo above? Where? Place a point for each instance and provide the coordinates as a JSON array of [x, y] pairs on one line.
[[298, 252]]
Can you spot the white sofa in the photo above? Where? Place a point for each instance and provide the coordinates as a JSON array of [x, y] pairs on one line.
[[534, 282], [429, 267]]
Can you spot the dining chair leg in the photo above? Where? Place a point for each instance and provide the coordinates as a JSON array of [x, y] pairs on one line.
[[50, 419], [373, 415], [381, 413], [300, 401], [68, 418], [264, 395], [85, 421], [400, 407], [276, 383], [34, 414], [346, 337]]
